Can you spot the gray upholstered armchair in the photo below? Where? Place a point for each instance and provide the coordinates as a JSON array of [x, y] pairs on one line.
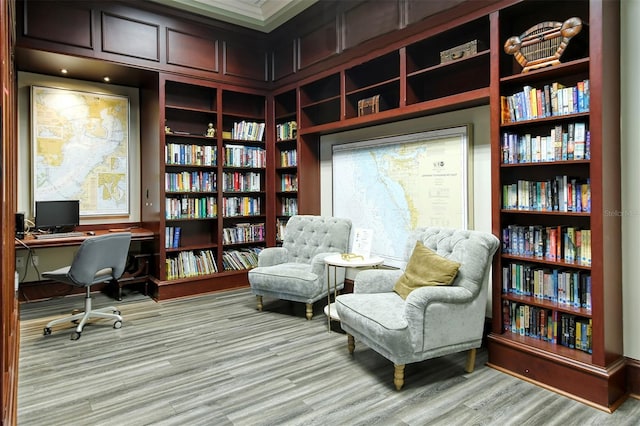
[[434, 320], [296, 271]]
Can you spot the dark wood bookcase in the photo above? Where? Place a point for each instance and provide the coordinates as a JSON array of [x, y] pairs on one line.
[[285, 159], [212, 196], [521, 342], [244, 162]]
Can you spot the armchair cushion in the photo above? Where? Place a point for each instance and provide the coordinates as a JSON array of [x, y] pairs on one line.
[[425, 268]]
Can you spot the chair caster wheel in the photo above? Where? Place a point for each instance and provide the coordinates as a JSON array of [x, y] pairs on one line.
[[75, 335], [46, 331], [117, 324], [117, 312]]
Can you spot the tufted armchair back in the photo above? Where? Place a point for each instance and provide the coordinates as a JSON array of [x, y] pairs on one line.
[[470, 248], [306, 235]]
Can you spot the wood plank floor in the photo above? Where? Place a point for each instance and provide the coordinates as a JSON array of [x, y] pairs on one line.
[[215, 360]]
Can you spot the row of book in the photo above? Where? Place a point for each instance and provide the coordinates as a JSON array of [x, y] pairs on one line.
[[187, 264], [191, 207], [190, 181], [281, 225], [574, 143], [289, 182], [241, 181], [286, 131], [551, 326], [236, 260], [241, 206], [195, 155], [289, 206], [244, 156], [563, 193], [289, 158], [565, 287], [247, 131], [244, 233], [566, 244], [172, 236], [550, 100]]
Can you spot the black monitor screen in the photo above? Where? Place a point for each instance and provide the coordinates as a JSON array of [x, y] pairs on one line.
[[57, 216]]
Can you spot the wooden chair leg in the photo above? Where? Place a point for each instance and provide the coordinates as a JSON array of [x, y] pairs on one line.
[[398, 376], [309, 311], [471, 361], [351, 343], [259, 300]]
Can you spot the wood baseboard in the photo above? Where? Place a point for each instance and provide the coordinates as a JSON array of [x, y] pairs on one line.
[[633, 377]]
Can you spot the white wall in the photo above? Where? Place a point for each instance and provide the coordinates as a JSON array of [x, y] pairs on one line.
[[630, 146]]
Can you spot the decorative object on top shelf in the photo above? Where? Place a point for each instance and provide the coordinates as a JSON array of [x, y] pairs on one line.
[[211, 131], [369, 105], [543, 44], [459, 52]]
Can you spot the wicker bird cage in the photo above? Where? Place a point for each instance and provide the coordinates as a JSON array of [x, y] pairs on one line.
[[543, 44]]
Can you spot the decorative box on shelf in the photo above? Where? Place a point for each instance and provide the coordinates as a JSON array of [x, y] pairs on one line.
[[369, 105], [459, 52]]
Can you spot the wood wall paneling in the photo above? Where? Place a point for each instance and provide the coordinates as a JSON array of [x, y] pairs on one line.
[[364, 22], [420, 9], [318, 45], [192, 51], [284, 60], [245, 61], [125, 36], [67, 23]]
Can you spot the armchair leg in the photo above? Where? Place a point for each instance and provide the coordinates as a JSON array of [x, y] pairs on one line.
[[309, 311], [259, 300], [351, 343], [471, 361], [398, 376]]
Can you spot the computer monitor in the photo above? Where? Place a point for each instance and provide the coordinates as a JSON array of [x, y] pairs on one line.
[[57, 216]]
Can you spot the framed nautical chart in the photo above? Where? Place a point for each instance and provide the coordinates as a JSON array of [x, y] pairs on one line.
[[80, 148]]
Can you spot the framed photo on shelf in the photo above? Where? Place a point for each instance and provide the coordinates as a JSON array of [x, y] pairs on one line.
[[80, 148]]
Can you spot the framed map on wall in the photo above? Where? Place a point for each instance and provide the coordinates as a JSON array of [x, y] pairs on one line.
[[396, 184], [80, 148]]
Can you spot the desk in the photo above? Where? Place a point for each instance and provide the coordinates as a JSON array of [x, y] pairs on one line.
[[29, 241], [137, 265], [336, 261]]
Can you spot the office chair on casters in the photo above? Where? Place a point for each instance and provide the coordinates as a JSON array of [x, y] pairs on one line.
[[99, 259]]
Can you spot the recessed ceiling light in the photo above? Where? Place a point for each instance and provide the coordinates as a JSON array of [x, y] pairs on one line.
[[106, 79], [64, 71]]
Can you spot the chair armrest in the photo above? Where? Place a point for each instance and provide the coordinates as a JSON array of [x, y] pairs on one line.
[[318, 264], [376, 280], [446, 314], [272, 256]]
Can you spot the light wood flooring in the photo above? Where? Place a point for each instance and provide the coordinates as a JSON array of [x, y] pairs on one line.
[[215, 360]]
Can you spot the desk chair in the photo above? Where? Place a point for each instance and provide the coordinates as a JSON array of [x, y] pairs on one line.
[[99, 259]]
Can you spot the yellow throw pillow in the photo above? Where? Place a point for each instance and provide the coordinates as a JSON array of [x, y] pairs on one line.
[[425, 267]]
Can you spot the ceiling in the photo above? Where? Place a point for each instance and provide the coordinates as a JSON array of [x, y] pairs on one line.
[[262, 15]]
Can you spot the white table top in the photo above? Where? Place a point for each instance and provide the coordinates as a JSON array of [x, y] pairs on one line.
[[337, 260]]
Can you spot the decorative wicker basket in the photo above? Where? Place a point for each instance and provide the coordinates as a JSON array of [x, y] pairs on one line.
[[543, 44]]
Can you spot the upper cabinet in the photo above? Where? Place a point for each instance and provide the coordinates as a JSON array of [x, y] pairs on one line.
[[137, 34]]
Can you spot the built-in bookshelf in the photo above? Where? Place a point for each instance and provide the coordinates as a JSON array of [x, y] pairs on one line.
[[286, 159], [556, 280], [244, 200], [190, 208], [213, 194]]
